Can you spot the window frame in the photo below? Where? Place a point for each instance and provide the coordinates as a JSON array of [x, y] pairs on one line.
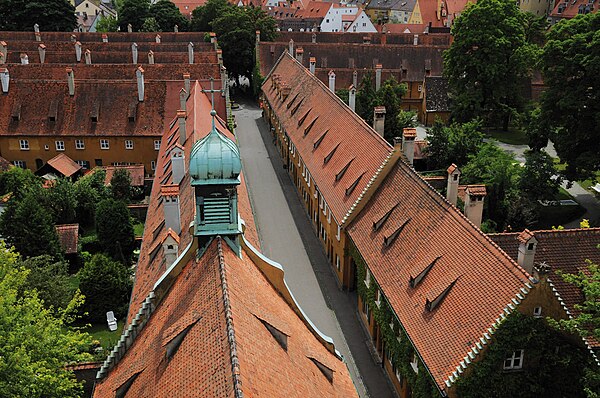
[[128, 145], [79, 144], [102, 144], [157, 145], [24, 145], [19, 163], [517, 355], [59, 145]]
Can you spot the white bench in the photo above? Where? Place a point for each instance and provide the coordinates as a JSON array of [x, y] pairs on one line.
[[596, 187], [112, 321]]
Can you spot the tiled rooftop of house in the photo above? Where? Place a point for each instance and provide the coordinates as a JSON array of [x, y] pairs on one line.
[[447, 281], [566, 9], [68, 236], [64, 165], [328, 135], [136, 173]]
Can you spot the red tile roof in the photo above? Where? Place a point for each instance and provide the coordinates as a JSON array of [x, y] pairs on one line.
[[64, 165], [136, 173], [68, 235], [318, 111], [570, 8], [485, 280], [565, 250]]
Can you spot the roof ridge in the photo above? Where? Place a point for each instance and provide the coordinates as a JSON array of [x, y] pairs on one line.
[[235, 363]]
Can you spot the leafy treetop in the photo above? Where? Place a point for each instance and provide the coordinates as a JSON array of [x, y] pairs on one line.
[[50, 15]]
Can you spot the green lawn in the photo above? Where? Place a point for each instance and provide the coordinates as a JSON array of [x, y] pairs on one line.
[[585, 184], [107, 338], [138, 229], [512, 137]]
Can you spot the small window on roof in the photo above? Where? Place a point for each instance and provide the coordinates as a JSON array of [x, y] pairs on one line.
[[173, 345], [352, 187], [327, 371], [277, 334], [122, 390]]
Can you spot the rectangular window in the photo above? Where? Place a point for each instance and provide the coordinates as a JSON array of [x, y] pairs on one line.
[[60, 145], [414, 363], [19, 163], [24, 145], [104, 144], [156, 145], [153, 165], [378, 298], [337, 262], [365, 309], [515, 361], [537, 312], [338, 233], [128, 144], [79, 144], [420, 88], [83, 163]]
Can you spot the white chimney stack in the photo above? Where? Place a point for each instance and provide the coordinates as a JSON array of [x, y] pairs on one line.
[[452, 185], [181, 116], [378, 69], [527, 246], [38, 36], [187, 83], [151, 57], [299, 54], [139, 73], [71, 81], [474, 195], [415, 40], [42, 52], [332, 81], [291, 47], [355, 79], [24, 59], [134, 53], [170, 247], [3, 51], [312, 65], [129, 28], [170, 194], [4, 79], [157, 38], [379, 119], [257, 37], [88, 57], [36, 28], [104, 38], [191, 53], [183, 96], [408, 143], [78, 51], [177, 163], [352, 98], [176, 28]]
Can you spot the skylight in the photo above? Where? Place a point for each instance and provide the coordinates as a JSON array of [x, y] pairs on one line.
[[330, 154], [318, 141], [388, 240], [430, 305], [414, 281], [341, 173], [354, 184], [303, 118], [379, 223], [307, 129]]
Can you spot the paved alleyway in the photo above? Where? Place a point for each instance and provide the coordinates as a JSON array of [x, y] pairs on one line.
[[286, 236]]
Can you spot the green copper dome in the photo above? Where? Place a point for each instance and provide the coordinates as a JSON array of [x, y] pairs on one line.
[[215, 159]]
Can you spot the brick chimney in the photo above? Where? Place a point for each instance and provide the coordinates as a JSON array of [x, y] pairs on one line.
[[177, 163], [312, 64], [104, 38], [527, 245], [355, 79], [170, 195], [378, 70], [299, 54], [71, 81], [183, 96], [42, 52], [474, 196], [24, 59], [151, 57], [4, 80], [415, 40], [352, 97], [88, 57], [157, 38], [134, 53], [129, 28], [291, 47], [408, 143], [187, 84], [181, 116], [191, 53], [139, 74], [3, 51], [452, 185], [170, 247], [332, 81], [285, 90], [78, 51], [379, 119]]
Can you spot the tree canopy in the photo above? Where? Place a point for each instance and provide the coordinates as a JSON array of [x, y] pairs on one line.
[[570, 103], [50, 15], [167, 15], [452, 144], [115, 230], [35, 344], [133, 12], [120, 185], [487, 62], [50, 278]]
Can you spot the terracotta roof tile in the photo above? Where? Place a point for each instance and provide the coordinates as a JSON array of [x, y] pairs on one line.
[[487, 281], [476, 190], [327, 112], [68, 235], [136, 173], [64, 165]]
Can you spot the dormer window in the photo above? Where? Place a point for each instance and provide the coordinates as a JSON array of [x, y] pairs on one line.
[[537, 312]]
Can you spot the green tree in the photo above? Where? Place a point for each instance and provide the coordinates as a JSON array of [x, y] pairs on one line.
[[89, 191], [538, 179], [487, 62], [106, 285], [452, 144], [50, 15], [390, 95], [366, 97], [406, 119], [167, 15], [500, 173], [50, 278], [203, 16], [571, 70], [107, 24], [133, 12], [18, 181], [61, 201], [29, 227], [120, 185], [150, 25], [115, 230], [35, 344]]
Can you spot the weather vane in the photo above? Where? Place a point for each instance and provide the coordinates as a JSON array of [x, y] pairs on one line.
[[212, 92]]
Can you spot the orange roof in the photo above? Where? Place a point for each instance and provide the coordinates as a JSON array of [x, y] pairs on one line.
[[396, 28], [328, 136], [64, 165], [136, 173], [434, 232], [570, 9], [68, 235], [314, 9], [476, 190]]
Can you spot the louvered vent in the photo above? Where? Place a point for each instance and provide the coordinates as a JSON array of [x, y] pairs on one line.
[[216, 210]]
